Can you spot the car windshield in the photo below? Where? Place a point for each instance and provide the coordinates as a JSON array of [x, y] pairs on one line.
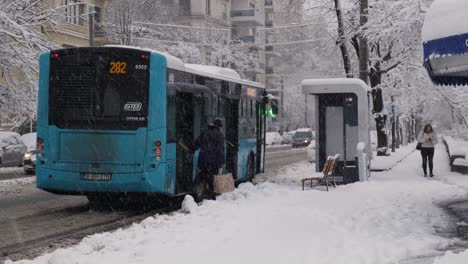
[[303, 135]]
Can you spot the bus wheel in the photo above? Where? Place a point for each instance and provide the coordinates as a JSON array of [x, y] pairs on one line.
[[250, 169]]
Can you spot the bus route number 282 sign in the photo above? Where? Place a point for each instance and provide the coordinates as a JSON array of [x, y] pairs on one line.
[[118, 67]]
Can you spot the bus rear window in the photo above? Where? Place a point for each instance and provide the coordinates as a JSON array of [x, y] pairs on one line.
[[102, 88]]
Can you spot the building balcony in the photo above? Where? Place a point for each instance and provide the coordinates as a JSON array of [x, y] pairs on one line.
[[248, 39], [248, 16]]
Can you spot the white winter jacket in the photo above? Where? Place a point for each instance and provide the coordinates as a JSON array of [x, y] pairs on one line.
[[428, 140]]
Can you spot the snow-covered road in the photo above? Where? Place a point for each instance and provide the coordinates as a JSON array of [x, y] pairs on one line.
[[392, 218]]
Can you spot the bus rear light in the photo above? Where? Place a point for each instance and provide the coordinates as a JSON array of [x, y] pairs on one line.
[[55, 55], [40, 147], [158, 151], [158, 143], [40, 140]]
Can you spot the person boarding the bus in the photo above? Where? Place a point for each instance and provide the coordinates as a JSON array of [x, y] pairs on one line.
[[210, 160], [428, 138]]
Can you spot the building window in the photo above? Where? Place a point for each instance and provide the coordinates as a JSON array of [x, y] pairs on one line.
[[74, 11], [184, 8], [208, 7]]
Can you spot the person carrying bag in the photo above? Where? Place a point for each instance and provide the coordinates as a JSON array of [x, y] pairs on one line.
[[210, 160], [427, 139]]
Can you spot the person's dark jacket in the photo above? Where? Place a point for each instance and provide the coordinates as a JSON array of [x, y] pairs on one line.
[[211, 145]]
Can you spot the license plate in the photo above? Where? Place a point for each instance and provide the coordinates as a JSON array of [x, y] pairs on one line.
[[96, 177]]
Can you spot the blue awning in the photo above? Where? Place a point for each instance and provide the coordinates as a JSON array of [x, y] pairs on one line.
[[449, 46], [446, 60]]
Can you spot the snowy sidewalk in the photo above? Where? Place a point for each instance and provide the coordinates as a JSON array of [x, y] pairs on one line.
[[393, 217], [384, 163]]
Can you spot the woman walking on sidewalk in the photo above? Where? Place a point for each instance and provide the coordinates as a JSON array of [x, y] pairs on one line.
[[428, 138]]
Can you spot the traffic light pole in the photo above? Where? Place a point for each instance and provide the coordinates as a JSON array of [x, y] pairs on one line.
[[282, 96]]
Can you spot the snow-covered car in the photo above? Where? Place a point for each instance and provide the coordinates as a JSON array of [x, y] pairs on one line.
[[311, 152], [29, 159], [287, 137], [302, 137], [273, 138], [12, 149]]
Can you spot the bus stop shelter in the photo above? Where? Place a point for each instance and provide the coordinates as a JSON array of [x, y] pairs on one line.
[[342, 125]]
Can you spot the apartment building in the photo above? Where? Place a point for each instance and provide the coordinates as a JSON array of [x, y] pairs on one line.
[[270, 54], [246, 17], [240, 18], [74, 29]]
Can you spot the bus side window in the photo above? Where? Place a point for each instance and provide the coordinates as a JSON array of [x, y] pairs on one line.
[[214, 103], [241, 108], [221, 106]]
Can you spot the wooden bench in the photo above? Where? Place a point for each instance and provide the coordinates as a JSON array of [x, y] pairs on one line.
[[328, 170]]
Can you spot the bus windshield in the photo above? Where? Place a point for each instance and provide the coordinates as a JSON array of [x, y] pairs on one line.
[[99, 88]]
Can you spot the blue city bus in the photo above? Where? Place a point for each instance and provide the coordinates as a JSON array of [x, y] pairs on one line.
[[117, 119]]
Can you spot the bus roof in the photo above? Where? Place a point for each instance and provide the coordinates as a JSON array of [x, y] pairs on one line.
[[175, 63]]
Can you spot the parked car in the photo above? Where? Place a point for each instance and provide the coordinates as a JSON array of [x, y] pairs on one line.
[[302, 137], [287, 137], [29, 159], [311, 152], [12, 149], [273, 138]]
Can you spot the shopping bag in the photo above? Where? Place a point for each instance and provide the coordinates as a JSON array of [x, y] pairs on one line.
[[223, 183], [419, 146]]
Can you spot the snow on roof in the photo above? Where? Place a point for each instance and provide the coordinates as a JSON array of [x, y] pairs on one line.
[[445, 18], [304, 130], [318, 86], [217, 71]]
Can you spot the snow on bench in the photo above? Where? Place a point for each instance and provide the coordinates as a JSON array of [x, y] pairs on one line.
[[457, 150]]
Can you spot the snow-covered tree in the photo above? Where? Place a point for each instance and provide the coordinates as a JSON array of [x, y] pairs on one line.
[[22, 24]]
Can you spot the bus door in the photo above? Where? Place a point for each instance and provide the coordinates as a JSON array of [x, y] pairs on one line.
[[185, 138], [232, 135]]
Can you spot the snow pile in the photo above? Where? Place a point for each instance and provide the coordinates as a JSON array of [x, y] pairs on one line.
[[453, 258], [15, 186], [457, 147], [391, 218], [16, 182], [445, 18], [189, 205]]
